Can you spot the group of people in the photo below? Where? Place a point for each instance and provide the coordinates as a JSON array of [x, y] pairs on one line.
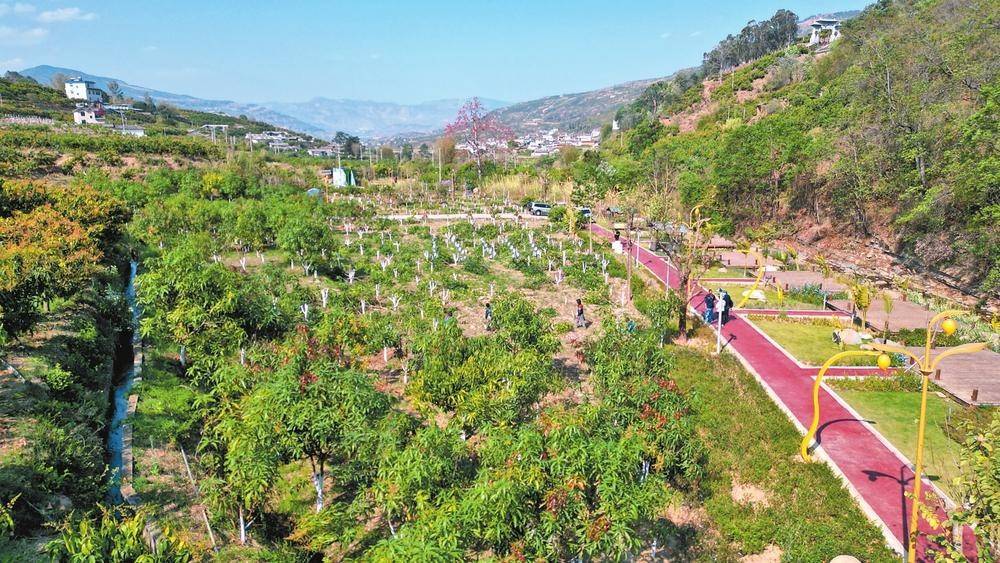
[[717, 305]]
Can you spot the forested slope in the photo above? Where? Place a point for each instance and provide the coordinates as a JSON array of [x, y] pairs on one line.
[[889, 139]]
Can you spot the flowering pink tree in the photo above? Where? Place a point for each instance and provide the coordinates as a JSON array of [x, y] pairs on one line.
[[480, 130]]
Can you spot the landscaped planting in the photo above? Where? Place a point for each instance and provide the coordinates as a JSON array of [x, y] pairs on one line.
[[809, 340]]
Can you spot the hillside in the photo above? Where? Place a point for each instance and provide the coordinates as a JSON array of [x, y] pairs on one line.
[[25, 97], [846, 151], [44, 73], [572, 112], [323, 117]]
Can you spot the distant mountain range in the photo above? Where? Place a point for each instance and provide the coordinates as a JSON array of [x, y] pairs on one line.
[[323, 117], [374, 119], [44, 73]]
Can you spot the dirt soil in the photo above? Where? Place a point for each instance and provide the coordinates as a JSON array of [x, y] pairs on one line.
[[745, 494], [161, 480], [771, 554], [872, 258]]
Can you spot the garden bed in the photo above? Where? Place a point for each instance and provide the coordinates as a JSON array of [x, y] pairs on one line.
[[809, 340], [772, 299]]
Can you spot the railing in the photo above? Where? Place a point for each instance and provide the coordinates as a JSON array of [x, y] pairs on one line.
[[15, 119]]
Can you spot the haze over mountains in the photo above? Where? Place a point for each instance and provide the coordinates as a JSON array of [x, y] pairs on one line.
[[323, 117]]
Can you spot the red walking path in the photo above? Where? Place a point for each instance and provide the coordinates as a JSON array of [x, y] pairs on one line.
[[875, 472]]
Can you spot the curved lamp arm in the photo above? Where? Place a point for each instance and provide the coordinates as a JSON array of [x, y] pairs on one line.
[[963, 349], [931, 328], [943, 315], [892, 349], [804, 447]]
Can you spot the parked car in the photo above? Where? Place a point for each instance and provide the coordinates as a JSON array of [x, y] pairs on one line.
[[539, 208], [587, 214]]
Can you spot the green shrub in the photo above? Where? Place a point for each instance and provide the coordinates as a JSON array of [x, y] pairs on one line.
[[901, 381], [114, 537], [58, 379], [557, 215]]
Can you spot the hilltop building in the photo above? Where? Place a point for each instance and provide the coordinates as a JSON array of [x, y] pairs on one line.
[[80, 89], [821, 25]]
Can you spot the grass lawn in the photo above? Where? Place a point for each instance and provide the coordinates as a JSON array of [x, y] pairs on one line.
[[895, 413], [808, 513], [723, 272], [770, 296], [809, 342]]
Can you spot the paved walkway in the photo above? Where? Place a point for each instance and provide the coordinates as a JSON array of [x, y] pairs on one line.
[[801, 278], [973, 379], [905, 314], [876, 474]]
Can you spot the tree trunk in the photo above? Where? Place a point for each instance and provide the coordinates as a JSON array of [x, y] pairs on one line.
[[243, 528], [682, 290], [318, 482]]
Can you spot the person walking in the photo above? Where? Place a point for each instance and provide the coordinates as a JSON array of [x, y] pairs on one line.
[[720, 306], [488, 316], [581, 321], [728, 301], [709, 314]]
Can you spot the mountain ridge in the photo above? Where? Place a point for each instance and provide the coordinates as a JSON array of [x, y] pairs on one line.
[[323, 116]]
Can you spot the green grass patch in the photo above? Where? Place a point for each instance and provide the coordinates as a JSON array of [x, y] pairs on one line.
[[810, 341], [166, 411], [771, 300], [809, 513], [723, 272], [895, 414]]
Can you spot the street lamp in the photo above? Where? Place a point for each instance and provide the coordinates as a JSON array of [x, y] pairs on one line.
[[760, 275], [927, 366], [883, 363]]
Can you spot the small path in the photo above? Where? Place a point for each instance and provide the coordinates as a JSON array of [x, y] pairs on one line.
[[876, 473], [801, 278], [967, 375], [460, 216], [904, 315], [794, 312]]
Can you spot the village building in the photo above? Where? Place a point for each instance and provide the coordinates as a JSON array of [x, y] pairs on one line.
[[325, 150], [86, 114], [80, 89]]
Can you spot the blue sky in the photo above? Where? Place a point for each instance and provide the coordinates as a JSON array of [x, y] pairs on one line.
[[402, 51]]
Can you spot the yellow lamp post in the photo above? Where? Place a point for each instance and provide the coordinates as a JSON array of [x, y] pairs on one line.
[[760, 275], [883, 363], [927, 366]]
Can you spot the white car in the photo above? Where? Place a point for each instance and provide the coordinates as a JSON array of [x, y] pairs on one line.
[[539, 208]]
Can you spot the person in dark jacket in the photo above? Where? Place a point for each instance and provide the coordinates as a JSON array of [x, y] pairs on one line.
[[488, 316], [709, 315], [729, 305], [581, 321]]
